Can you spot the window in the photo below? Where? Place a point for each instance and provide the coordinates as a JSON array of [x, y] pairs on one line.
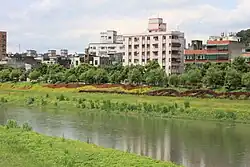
[[129, 53], [77, 62], [148, 38], [130, 46], [96, 62], [143, 38], [156, 38], [170, 37], [143, 46], [143, 60], [164, 37], [170, 52], [129, 60], [123, 60], [130, 39], [109, 37], [170, 44]]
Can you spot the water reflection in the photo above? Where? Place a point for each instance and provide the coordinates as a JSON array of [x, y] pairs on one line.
[[192, 144]]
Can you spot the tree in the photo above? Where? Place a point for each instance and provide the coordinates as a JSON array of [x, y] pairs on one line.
[[246, 80], [115, 77], [174, 80], [214, 77], [4, 75], [72, 78], [194, 76], [15, 74], [155, 77], [100, 76], [135, 76], [183, 79], [152, 65], [88, 76], [232, 79], [239, 64], [34, 75], [245, 36]]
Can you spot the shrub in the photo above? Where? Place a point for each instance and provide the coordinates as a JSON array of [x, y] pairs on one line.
[[26, 127], [61, 97], [30, 100], [11, 124], [186, 104]]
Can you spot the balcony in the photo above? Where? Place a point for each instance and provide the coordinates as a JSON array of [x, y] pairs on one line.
[[218, 52]]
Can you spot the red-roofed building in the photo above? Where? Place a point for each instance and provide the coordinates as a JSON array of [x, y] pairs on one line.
[[218, 49]]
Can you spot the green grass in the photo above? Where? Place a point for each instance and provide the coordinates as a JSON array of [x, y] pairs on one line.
[[22, 148], [184, 107]]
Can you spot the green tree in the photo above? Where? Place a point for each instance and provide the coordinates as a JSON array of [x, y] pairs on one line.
[[72, 78], [4, 75], [174, 80], [246, 80], [34, 75], [88, 76], [135, 76], [214, 77], [239, 64], [115, 77], [183, 79], [15, 74], [245, 36], [155, 77], [151, 65], [232, 79], [194, 77], [100, 76]]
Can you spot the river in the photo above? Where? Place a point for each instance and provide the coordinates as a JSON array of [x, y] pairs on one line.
[[190, 143]]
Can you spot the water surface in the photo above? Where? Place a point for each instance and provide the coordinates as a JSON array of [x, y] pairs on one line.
[[190, 143]]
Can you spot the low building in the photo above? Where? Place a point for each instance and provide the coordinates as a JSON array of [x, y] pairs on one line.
[[246, 54], [52, 53], [218, 49], [110, 45], [31, 53], [158, 44], [64, 53]]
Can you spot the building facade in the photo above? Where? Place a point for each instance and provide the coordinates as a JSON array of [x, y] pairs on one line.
[[218, 49], [158, 44], [64, 53], [110, 45], [31, 53], [3, 45]]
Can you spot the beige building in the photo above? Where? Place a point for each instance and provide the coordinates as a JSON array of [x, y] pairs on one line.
[[158, 44], [3, 44]]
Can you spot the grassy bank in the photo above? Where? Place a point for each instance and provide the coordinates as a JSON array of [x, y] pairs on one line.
[[167, 107], [19, 147]]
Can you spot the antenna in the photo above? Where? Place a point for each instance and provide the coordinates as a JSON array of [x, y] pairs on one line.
[[19, 48]]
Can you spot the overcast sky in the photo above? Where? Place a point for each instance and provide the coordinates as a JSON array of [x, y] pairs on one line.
[[72, 24]]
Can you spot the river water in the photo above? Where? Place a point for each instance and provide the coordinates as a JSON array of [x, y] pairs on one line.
[[190, 143]]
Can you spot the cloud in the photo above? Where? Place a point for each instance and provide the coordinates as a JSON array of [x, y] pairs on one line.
[[44, 24]]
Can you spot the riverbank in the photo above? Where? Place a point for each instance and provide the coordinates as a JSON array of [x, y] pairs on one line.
[[20, 147], [166, 107]]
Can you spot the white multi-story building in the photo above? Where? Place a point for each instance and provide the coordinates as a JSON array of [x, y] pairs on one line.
[[64, 53], [158, 44], [110, 45], [31, 53]]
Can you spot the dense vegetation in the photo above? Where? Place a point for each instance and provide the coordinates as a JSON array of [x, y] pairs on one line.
[[245, 36], [232, 76], [20, 147], [165, 107]]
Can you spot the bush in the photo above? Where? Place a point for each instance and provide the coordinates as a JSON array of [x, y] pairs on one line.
[[26, 127], [61, 98], [11, 124], [30, 100], [186, 104]]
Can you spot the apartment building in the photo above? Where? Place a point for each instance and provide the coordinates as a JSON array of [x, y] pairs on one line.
[[218, 49], [110, 45], [64, 52], [246, 54], [31, 53], [52, 53], [157, 44], [3, 44]]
